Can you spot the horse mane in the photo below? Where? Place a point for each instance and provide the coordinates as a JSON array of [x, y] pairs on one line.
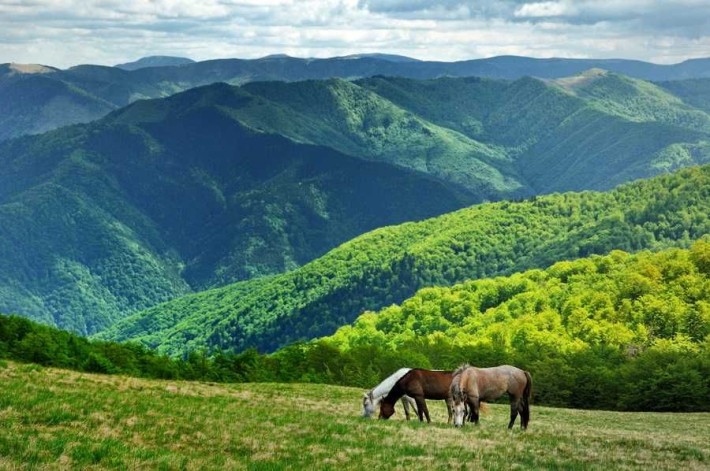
[[384, 388], [460, 369]]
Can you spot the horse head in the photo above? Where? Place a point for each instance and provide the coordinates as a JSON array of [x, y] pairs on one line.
[[368, 406], [459, 398], [386, 410]]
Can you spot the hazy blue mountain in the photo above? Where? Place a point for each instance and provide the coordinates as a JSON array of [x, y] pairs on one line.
[[120, 87], [154, 61]]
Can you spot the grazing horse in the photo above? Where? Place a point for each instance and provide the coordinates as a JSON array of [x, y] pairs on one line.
[[472, 385], [419, 384], [372, 398]]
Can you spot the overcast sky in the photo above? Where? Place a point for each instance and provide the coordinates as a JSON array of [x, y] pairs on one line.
[[68, 32]]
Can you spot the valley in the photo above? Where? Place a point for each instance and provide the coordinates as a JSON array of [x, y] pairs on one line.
[[221, 184]]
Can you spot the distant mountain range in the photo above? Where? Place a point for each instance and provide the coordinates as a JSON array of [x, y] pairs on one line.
[[224, 183], [83, 93], [155, 61]]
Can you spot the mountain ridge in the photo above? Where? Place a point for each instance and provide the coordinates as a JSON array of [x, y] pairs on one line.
[[121, 87]]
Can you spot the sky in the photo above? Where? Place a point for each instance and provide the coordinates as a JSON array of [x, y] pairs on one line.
[[63, 33]]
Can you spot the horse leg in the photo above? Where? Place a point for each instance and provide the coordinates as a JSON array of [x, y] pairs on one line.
[[474, 403], [422, 409], [408, 403], [514, 407], [450, 409]]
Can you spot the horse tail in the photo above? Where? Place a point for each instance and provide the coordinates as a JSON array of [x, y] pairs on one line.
[[525, 409]]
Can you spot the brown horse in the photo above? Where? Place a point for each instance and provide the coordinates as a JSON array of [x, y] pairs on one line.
[[419, 384], [472, 385]]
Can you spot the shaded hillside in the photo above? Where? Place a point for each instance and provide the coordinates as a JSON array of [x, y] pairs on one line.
[[695, 92], [101, 220], [35, 103], [611, 130], [388, 265]]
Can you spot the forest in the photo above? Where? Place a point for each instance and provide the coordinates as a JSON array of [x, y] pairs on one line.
[[390, 264], [619, 331]]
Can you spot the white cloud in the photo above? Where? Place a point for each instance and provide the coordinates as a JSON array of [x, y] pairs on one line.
[[544, 9], [67, 32]]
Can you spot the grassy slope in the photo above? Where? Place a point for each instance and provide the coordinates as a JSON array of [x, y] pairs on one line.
[[56, 419], [389, 264]]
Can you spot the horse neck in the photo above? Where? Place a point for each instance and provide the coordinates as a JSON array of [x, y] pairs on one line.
[[384, 388], [395, 393], [468, 380]]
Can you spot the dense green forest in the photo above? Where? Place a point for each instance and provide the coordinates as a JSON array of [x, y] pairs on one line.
[[389, 264], [619, 331], [24, 340], [614, 331], [102, 220], [222, 184]]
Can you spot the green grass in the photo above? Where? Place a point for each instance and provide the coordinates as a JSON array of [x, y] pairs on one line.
[[56, 419]]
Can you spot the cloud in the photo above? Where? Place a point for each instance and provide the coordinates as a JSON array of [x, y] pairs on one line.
[[67, 32]]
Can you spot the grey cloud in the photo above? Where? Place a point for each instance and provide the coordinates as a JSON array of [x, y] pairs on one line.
[[685, 18]]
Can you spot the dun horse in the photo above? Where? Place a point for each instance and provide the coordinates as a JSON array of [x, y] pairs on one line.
[[372, 398], [472, 385], [419, 384]]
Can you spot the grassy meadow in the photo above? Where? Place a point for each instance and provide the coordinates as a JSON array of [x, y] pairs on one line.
[[59, 419]]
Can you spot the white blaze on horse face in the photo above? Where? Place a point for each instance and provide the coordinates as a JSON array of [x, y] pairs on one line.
[[459, 412], [368, 408]]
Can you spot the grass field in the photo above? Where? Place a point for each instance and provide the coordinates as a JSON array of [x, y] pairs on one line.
[[56, 419]]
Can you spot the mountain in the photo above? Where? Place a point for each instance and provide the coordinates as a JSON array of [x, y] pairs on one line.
[[386, 57], [36, 103], [155, 61], [388, 265], [558, 139], [221, 183], [695, 92], [120, 87], [100, 220]]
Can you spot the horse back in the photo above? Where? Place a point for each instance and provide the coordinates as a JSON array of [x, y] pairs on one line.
[[501, 379], [428, 383]]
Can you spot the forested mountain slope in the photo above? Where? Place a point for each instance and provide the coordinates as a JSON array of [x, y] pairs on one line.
[[388, 265], [222, 183], [98, 221], [615, 331]]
